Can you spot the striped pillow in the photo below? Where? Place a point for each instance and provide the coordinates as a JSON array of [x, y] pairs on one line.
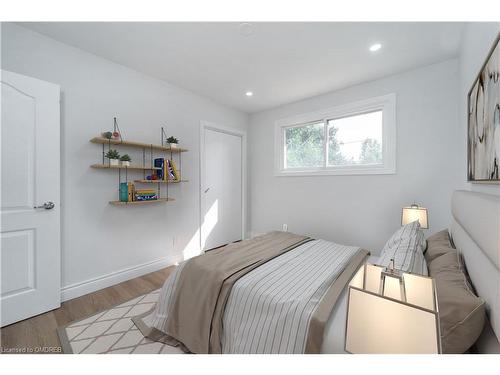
[[406, 248]]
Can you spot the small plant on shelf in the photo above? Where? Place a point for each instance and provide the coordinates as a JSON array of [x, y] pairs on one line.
[[125, 159], [113, 157], [173, 142]]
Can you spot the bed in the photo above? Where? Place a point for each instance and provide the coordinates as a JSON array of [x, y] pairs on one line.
[[475, 231]]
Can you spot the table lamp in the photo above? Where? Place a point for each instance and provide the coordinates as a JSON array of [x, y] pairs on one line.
[[391, 312], [413, 213]]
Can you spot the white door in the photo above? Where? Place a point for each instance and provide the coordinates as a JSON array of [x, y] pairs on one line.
[[30, 237], [221, 188]]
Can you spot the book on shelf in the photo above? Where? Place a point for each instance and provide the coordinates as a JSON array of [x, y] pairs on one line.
[[175, 171], [170, 172], [123, 192], [145, 191], [160, 163], [145, 195], [126, 191], [151, 197], [131, 192], [168, 169]]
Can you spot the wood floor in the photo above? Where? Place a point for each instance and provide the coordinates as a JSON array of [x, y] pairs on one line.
[[39, 332]]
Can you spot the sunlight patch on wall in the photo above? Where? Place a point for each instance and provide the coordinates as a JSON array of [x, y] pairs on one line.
[[209, 222]]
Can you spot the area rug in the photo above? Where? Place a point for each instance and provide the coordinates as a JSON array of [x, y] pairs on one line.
[[113, 332]]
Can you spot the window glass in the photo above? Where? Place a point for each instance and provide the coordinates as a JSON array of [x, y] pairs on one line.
[[304, 146]]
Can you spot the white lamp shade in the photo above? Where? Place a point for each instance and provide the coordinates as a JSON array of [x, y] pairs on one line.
[[391, 313], [414, 213], [392, 287], [372, 278], [419, 291], [378, 325]]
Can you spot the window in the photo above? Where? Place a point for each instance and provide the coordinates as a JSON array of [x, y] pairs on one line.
[[358, 138]]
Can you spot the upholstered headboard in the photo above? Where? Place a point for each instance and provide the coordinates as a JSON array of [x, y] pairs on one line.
[[475, 230]]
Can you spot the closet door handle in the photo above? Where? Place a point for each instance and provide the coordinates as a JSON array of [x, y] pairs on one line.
[[46, 205]]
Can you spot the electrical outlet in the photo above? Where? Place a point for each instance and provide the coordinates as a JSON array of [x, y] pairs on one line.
[[285, 227]]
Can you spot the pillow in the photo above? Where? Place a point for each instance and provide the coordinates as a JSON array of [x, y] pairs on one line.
[[438, 244], [405, 247], [424, 246], [461, 312], [406, 232]]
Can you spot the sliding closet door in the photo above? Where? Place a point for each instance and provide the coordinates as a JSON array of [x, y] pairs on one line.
[[30, 185], [222, 187]]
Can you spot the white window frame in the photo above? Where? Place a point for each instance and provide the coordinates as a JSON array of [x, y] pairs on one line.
[[385, 103]]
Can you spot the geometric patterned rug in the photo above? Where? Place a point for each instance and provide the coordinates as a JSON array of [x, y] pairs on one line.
[[113, 332]]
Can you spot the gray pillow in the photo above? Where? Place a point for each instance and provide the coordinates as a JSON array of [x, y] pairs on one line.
[[438, 244], [461, 312]]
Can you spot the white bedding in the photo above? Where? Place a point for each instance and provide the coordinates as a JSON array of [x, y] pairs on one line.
[[253, 321]]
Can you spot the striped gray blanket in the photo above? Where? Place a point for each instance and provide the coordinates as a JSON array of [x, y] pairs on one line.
[[269, 310]]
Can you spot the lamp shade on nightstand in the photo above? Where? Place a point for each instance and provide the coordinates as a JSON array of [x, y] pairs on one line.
[[391, 313], [414, 213]]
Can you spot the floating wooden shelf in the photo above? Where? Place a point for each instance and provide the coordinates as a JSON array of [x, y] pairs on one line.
[[147, 148], [159, 200], [106, 141], [160, 181], [132, 167]]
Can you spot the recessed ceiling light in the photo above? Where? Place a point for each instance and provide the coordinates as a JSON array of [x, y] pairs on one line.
[[375, 47], [249, 93], [245, 29]]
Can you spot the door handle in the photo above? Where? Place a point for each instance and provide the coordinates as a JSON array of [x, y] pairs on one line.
[[47, 205], [206, 191]]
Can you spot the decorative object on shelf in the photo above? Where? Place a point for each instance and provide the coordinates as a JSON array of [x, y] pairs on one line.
[[117, 136], [170, 142], [483, 121], [125, 159], [414, 213], [113, 157], [392, 312], [173, 142], [107, 135]]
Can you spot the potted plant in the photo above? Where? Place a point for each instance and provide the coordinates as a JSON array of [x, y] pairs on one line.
[[173, 142], [107, 135], [113, 157], [125, 159]]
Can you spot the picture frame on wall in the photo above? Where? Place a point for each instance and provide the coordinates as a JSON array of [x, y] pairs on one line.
[[483, 121]]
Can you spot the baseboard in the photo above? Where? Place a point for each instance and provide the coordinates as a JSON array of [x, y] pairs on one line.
[[101, 282]]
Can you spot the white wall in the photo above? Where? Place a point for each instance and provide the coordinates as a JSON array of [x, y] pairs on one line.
[[365, 210], [101, 240], [477, 41]]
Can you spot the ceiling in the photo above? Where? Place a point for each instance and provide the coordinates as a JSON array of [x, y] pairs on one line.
[[279, 62]]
